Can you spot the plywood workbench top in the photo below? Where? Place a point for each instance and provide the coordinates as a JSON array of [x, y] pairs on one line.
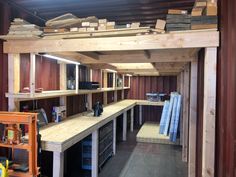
[[61, 136]]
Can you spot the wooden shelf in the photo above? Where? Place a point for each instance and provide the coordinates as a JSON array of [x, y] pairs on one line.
[[19, 146], [19, 174], [58, 93], [150, 103]]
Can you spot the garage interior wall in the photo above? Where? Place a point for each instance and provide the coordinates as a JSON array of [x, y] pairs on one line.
[[226, 81]]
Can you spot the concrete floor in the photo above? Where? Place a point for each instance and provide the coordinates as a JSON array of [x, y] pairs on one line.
[[145, 160]]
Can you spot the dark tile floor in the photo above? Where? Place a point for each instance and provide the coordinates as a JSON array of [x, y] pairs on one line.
[[145, 160]]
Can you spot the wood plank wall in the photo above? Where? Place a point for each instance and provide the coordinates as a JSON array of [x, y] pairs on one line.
[[76, 104], [226, 92], [44, 68], [46, 104], [8, 13], [97, 97], [140, 85], [110, 97], [97, 76], [119, 95]]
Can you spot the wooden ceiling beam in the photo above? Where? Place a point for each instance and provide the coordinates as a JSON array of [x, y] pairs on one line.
[[143, 42], [101, 66]]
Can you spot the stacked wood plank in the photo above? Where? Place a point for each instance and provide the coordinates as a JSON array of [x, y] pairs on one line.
[[204, 15], [160, 26], [178, 20], [21, 29], [70, 22]]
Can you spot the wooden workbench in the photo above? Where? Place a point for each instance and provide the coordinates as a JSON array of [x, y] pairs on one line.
[[59, 137]]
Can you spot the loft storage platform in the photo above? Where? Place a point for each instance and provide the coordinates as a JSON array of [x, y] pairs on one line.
[[149, 133], [58, 93], [195, 39]]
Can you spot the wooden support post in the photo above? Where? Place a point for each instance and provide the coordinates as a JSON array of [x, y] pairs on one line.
[[181, 112], [13, 80], [95, 154], [114, 136], [115, 96], [124, 126], [193, 120], [140, 115], [122, 94], [105, 79], [63, 85], [90, 75], [209, 116], [101, 78], [185, 114], [123, 80], [178, 82], [105, 98], [58, 164], [89, 101], [32, 74], [114, 80], [63, 78], [129, 82], [132, 120], [77, 79]]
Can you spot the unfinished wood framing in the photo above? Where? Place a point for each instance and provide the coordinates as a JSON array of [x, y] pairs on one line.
[[181, 112], [32, 73], [193, 120], [58, 164], [149, 42], [76, 78], [105, 98], [89, 101], [13, 80], [209, 113], [186, 113]]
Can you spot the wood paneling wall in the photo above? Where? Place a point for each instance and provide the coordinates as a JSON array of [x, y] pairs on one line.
[[226, 92], [97, 76], [97, 97], [76, 104], [110, 97], [119, 95], [7, 14], [44, 68], [46, 104], [140, 85]]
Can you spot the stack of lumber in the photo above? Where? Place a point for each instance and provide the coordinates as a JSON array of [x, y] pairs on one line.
[[68, 22], [178, 20], [170, 117], [21, 29], [104, 24], [204, 15]]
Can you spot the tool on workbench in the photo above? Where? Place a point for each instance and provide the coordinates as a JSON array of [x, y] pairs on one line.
[[98, 109]]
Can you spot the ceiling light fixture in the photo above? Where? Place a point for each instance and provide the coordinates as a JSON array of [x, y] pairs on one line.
[[61, 59]]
